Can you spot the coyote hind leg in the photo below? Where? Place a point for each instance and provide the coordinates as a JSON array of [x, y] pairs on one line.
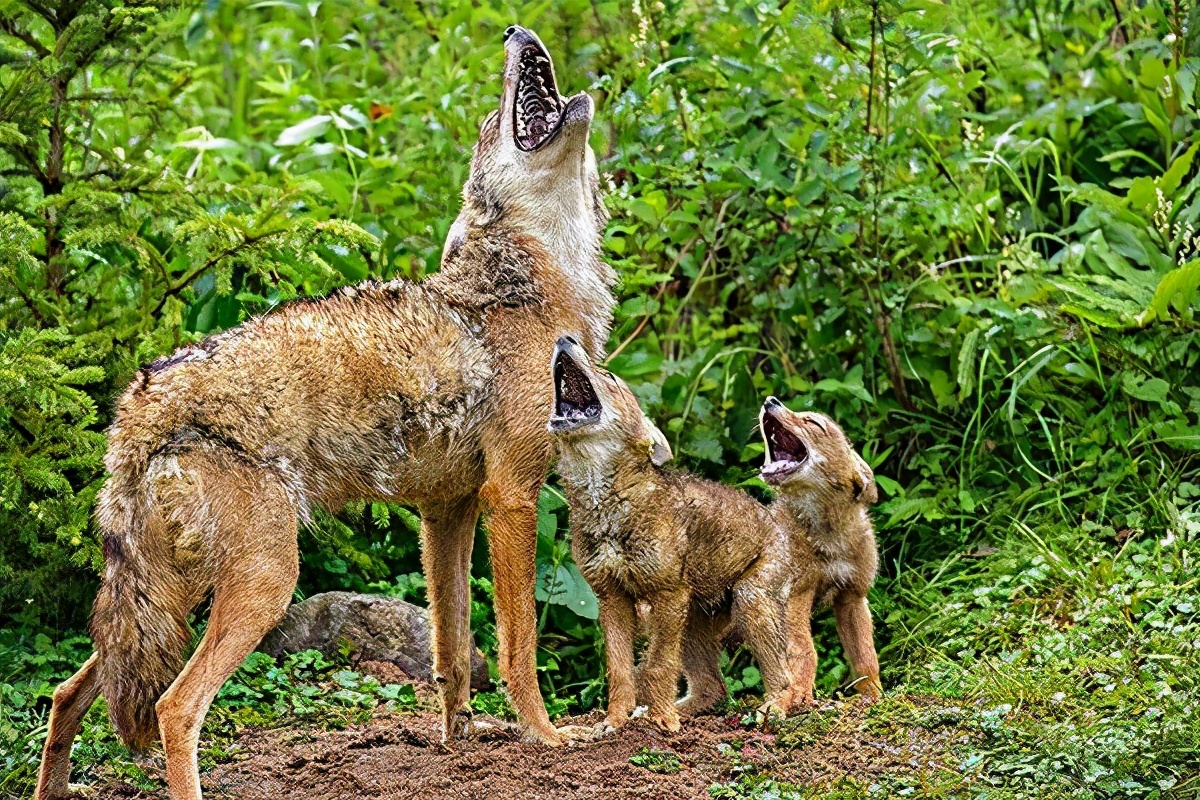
[[255, 536], [72, 699], [702, 662], [447, 535]]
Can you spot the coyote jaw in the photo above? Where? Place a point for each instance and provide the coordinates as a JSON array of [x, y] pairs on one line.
[[576, 403], [537, 110], [786, 452]]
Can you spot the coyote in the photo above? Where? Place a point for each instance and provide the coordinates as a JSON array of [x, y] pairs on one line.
[[823, 489], [429, 393], [689, 547]]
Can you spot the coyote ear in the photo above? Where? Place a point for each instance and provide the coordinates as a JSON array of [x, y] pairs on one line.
[[660, 451], [455, 238], [864, 481]]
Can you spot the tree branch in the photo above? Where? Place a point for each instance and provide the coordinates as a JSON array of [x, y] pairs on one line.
[[9, 26]]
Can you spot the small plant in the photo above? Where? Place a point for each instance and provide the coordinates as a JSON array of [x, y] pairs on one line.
[[663, 762]]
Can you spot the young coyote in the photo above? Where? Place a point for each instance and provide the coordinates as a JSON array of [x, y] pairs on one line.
[[823, 489], [683, 544], [430, 393]]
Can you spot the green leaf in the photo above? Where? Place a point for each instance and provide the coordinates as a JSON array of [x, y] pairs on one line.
[[303, 131]]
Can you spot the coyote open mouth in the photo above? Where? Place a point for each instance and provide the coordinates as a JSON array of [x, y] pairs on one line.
[[537, 108], [785, 452], [575, 401]]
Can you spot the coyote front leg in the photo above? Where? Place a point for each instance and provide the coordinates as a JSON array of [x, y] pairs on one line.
[[447, 535], [802, 654], [668, 615], [854, 629], [617, 619], [512, 538]]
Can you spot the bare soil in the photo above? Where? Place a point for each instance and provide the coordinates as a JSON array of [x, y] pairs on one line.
[[400, 755]]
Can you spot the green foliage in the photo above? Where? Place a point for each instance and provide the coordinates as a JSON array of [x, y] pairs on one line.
[[302, 686]]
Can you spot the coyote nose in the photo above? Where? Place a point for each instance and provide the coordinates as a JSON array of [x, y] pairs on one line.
[[511, 31], [567, 339], [773, 402]]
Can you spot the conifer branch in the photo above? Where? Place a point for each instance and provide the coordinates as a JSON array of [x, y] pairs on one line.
[[9, 26]]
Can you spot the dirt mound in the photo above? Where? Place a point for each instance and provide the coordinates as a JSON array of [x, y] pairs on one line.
[[400, 756]]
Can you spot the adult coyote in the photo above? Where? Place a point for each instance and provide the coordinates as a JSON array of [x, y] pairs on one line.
[[432, 393]]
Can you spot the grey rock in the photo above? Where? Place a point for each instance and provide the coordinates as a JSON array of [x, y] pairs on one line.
[[375, 628]]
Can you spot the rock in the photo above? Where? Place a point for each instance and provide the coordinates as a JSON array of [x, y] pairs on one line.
[[375, 628]]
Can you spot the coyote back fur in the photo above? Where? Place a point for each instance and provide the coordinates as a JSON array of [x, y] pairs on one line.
[[430, 393]]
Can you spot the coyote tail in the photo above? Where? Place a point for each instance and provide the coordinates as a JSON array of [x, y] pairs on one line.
[[139, 621]]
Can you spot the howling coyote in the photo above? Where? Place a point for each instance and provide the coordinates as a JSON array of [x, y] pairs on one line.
[[702, 554], [432, 393]]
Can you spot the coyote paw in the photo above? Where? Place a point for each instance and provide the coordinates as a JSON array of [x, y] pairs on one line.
[[548, 736], [456, 725], [869, 688], [773, 708], [582, 734], [666, 720], [487, 726]]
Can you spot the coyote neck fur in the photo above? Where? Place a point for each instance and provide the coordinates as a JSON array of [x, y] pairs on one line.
[[590, 471], [826, 522], [573, 244], [566, 234]]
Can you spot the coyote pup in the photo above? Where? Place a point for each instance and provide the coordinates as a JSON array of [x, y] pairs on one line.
[[683, 544], [823, 491], [431, 393]]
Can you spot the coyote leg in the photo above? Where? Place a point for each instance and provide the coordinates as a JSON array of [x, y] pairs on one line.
[[259, 566], [72, 699], [802, 653], [447, 534], [661, 662], [854, 629], [512, 537], [702, 663], [618, 622], [760, 619]]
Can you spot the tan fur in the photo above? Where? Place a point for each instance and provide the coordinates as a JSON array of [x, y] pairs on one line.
[[432, 394], [692, 548], [823, 504]]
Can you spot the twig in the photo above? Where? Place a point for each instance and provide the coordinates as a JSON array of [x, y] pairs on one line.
[[657, 296]]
